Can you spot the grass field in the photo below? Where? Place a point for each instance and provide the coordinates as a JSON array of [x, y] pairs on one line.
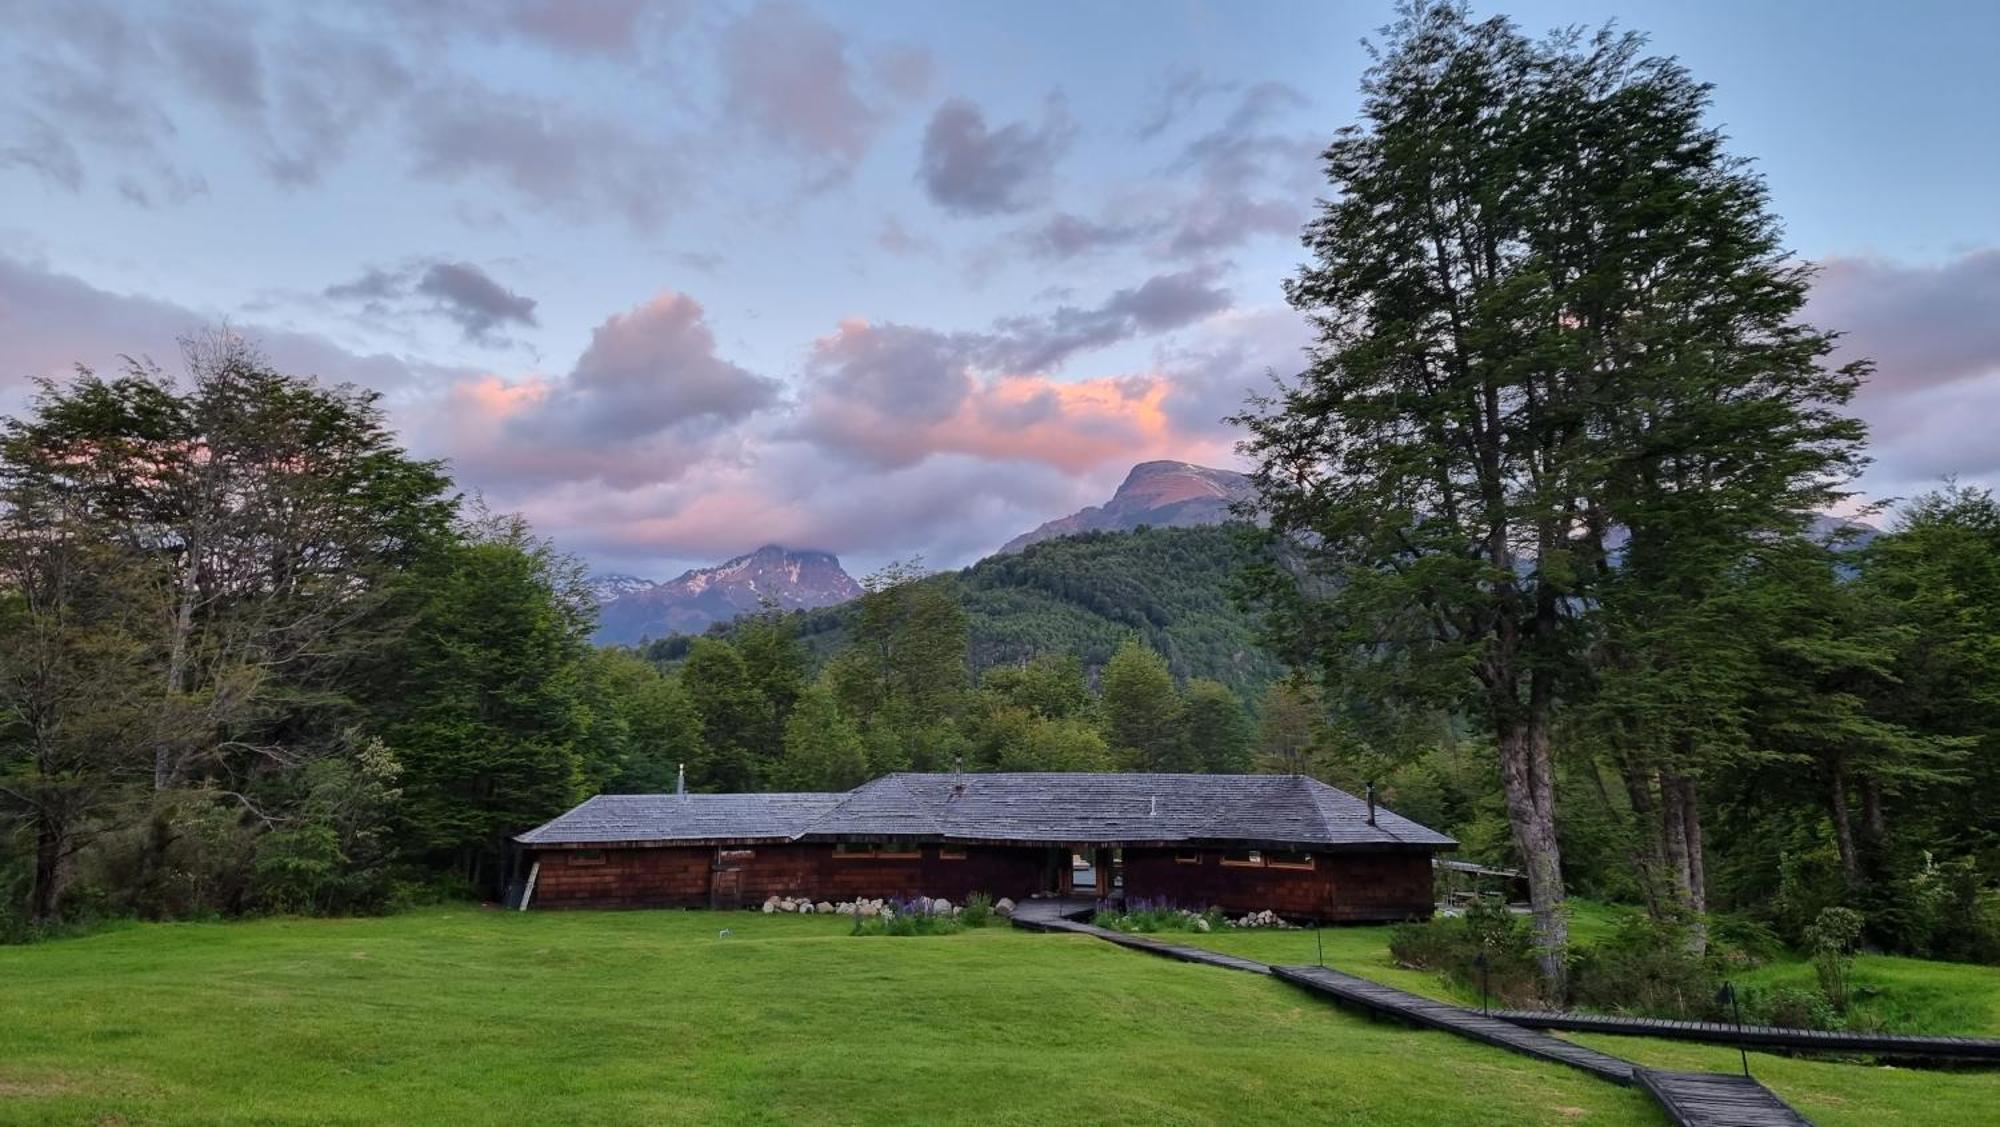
[[1917, 995], [472, 1016]]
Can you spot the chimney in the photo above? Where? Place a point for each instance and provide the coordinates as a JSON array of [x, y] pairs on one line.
[[1371, 802], [1155, 811], [957, 775], [681, 783]]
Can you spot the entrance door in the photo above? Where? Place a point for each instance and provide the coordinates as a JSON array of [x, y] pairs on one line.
[[725, 888]]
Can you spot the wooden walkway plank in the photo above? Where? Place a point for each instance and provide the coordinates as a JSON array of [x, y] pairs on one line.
[[1417, 1010], [1053, 915], [1763, 1036], [1713, 1098]]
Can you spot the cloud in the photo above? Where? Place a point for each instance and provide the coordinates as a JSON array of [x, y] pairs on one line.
[[1162, 303], [460, 292], [1923, 325], [1182, 91], [972, 170], [50, 322], [572, 163], [648, 400], [602, 27], [1064, 236], [1251, 177], [792, 77], [476, 302], [1931, 330], [891, 395]]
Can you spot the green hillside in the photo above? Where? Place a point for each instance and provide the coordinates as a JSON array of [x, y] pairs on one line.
[[1083, 595]]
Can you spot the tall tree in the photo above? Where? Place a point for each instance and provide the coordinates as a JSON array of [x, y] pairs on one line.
[[1142, 712], [1531, 249], [490, 721], [823, 751], [1216, 728], [735, 718]]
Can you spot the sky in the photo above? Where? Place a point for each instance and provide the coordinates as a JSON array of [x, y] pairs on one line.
[[887, 279]]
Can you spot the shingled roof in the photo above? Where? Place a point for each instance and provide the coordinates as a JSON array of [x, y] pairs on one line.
[[1024, 808]]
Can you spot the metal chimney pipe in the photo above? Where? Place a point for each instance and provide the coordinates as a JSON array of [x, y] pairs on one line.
[[1371, 802], [681, 783]]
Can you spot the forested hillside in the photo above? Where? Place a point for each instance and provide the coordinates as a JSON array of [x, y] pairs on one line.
[[1083, 595]]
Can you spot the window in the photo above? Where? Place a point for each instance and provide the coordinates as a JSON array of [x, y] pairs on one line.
[[951, 852], [863, 850], [736, 854], [1247, 858], [1288, 859], [1187, 857], [853, 850], [587, 857], [897, 853]]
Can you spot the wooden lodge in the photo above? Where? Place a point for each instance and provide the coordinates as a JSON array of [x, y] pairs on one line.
[[1238, 842]]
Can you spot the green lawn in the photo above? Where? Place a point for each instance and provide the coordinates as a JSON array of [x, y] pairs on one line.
[[1914, 994], [465, 1015]]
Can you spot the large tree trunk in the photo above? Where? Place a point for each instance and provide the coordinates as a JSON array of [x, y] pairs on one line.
[[1693, 874], [1527, 779], [1673, 833], [178, 657], [1843, 829], [51, 845], [1649, 851]]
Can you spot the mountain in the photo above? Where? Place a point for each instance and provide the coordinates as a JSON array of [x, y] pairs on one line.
[[636, 609], [1083, 595], [605, 588], [1160, 494]]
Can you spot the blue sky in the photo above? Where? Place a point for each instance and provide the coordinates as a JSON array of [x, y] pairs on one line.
[[884, 278]]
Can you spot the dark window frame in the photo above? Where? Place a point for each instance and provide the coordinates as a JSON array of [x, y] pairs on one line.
[[1244, 858], [586, 857]]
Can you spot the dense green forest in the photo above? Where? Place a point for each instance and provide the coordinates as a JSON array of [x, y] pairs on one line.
[[1085, 595]]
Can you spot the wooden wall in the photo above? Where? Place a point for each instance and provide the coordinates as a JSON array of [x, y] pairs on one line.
[[686, 876], [1339, 886]]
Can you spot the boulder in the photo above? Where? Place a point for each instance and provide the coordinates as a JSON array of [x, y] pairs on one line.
[[823, 907], [940, 907], [1004, 906], [805, 908]]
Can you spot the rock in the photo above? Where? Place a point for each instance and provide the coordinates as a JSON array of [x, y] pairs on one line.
[[845, 907], [823, 907], [940, 907], [1004, 906], [1200, 924], [867, 909], [922, 905], [805, 908]]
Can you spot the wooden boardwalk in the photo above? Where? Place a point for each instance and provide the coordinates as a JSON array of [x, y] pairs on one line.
[[1387, 1001], [1906, 1045], [1053, 915], [1713, 1097], [1694, 1099]]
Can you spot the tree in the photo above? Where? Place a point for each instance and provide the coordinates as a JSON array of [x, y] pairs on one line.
[[74, 682], [1142, 712], [1532, 250], [643, 728], [823, 751], [1216, 728], [735, 718], [490, 722], [1289, 729]]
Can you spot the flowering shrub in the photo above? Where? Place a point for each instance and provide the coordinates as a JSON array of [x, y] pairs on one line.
[[1142, 914]]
